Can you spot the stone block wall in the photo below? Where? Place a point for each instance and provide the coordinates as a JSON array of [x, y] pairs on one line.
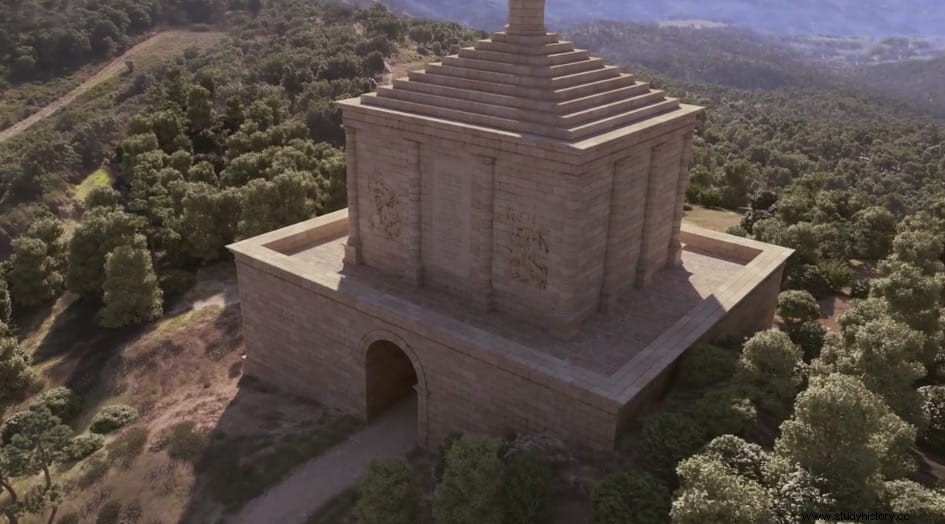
[[313, 344]]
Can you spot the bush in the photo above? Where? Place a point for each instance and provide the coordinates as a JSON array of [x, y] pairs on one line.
[[62, 402], [704, 364], [797, 306], [838, 274], [11, 427], [125, 449], [809, 336], [933, 410], [471, 490], [389, 494], [174, 282], [441, 453], [186, 442], [84, 445], [526, 489], [725, 411], [665, 439], [919, 502], [771, 366], [810, 278], [113, 417], [629, 498], [860, 289]]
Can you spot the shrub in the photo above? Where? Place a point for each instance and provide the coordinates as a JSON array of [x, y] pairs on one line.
[[125, 449], [911, 498], [725, 411], [186, 442], [933, 410], [665, 439], [441, 455], [11, 426], [471, 489], [838, 274], [62, 402], [704, 364], [113, 417], [809, 336], [771, 366], [389, 494], [629, 498], [174, 282], [797, 306], [811, 278], [526, 489], [84, 445], [860, 289]]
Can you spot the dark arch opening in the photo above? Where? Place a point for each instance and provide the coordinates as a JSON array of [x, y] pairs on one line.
[[390, 377]]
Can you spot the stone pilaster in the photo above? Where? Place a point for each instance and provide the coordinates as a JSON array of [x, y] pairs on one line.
[[644, 267], [675, 246], [353, 246], [413, 237], [483, 223], [608, 292]]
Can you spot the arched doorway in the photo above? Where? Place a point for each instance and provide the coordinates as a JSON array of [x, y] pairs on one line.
[[391, 377]]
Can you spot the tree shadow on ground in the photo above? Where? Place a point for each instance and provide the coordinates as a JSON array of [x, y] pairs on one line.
[[260, 438]]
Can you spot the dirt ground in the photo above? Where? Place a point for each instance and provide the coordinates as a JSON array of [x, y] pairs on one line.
[[207, 440]]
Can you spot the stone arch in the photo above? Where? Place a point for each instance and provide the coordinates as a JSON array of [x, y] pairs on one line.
[[391, 370]]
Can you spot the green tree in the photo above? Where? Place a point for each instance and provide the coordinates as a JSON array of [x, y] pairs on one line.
[[101, 196], [886, 356], [527, 489], [797, 306], [15, 371], [919, 248], [199, 108], [772, 366], [913, 297], [6, 303], [286, 199], [471, 490], [101, 231], [41, 441], [388, 494], [712, 492], [845, 434], [209, 219], [34, 275], [131, 291], [873, 231], [633, 497]]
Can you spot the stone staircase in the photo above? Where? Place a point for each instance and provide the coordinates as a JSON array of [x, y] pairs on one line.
[[528, 84]]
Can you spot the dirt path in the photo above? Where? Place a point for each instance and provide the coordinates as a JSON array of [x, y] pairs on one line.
[[159, 44], [319, 480]]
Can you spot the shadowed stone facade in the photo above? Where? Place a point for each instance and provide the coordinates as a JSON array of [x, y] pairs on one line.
[[513, 250]]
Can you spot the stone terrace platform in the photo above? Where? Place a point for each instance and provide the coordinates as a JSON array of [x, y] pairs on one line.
[[617, 361]]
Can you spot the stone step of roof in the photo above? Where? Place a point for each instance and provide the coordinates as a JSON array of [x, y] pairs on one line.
[[623, 119], [518, 126], [510, 58], [509, 108], [543, 71], [555, 95], [602, 97], [583, 77], [546, 38], [522, 102], [515, 49], [597, 113]]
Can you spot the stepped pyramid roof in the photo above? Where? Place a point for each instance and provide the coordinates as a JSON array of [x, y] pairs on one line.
[[526, 80]]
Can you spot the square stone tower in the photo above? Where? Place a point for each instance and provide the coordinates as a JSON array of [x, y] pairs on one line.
[[523, 175], [511, 259]]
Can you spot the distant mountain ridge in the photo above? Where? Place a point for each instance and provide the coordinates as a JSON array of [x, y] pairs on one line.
[[925, 18]]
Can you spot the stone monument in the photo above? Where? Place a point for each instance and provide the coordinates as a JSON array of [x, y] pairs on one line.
[[513, 250]]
